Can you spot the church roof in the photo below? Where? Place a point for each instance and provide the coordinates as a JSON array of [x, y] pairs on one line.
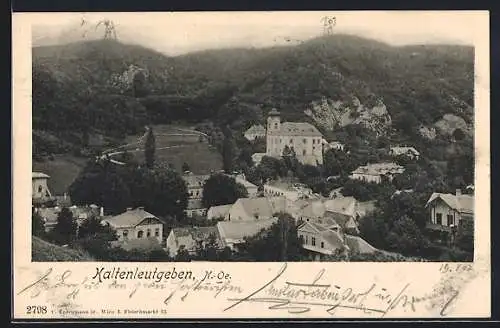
[[299, 129]]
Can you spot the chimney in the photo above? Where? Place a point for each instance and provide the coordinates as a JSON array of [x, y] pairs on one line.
[[129, 208], [141, 208], [65, 196], [101, 211], [458, 192]]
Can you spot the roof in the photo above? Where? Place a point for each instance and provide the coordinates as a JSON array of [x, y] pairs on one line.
[[219, 211], [49, 214], [194, 204], [247, 184], [256, 129], [379, 169], [359, 245], [341, 204], [313, 209], [333, 238], [236, 231], [195, 180], [299, 129], [461, 203], [39, 175], [363, 208], [129, 218], [190, 236], [260, 206], [258, 155], [150, 243], [274, 112]]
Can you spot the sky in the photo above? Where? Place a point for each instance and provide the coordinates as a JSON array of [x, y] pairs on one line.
[[182, 32]]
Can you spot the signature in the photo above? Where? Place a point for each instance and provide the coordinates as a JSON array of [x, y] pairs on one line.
[[302, 297], [48, 281]]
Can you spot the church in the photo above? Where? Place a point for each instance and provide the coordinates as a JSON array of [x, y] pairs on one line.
[[303, 138]]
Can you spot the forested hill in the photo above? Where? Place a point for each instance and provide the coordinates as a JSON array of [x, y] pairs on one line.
[[104, 86]]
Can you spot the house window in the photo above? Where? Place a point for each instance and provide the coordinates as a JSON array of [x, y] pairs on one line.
[[313, 242], [157, 232], [304, 152], [322, 245], [450, 219], [307, 240], [140, 233], [439, 218], [275, 125], [40, 189], [301, 238], [148, 234], [314, 141], [291, 141], [125, 233], [304, 140]]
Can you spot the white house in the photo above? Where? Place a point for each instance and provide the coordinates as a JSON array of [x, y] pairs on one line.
[[216, 212], [251, 209], [320, 240], [136, 224], [376, 172], [333, 145], [190, 238], [39, 186], [233, 233], [448, 210], [254, 132], [194, 184], [303, 138]]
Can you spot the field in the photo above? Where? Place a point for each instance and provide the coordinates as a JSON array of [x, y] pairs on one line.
[[176, 145], [63, 169]]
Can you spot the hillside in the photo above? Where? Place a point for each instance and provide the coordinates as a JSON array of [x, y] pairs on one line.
[[43, 251], [104, 86]]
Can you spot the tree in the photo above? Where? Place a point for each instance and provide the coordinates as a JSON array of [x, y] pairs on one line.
[[221, 189], [150, 148], [185, 167], [406, 238], [161, 191], [182, 255], [228, 151], [281, 238], [100, 184], [37, 225], [64, 231], [93, 226]]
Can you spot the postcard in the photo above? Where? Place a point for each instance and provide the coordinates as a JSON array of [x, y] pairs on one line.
[[291, 164]]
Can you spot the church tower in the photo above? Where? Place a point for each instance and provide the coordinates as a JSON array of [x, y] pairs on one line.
[[272, 136]]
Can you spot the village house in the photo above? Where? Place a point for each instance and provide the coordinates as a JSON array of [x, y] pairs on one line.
[[320, 240], [194, 184], [303, 138], [218, 212], [136, 224], [376, 172], [195, 208], [291, 191], [409, 152], [80, 214], [251, 209], [191, 239], [39, 187], [448, 211], [252, 189], [254, 132], [233, 233]]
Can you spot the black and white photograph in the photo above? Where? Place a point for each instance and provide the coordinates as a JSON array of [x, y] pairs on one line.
[[253, 139]]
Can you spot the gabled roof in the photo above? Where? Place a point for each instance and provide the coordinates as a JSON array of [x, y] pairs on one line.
[[256, 129], [235, 231], [460, 203], [299, 129], [379, 169], [195, 180], [332, 237], [130, 218], [341, 204], [398, 150], [39, 175], [219, 211], [313, 209], [252, 206], [190, 236]]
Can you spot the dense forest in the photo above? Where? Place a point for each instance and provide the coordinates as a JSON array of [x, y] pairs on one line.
[[111, 89]]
